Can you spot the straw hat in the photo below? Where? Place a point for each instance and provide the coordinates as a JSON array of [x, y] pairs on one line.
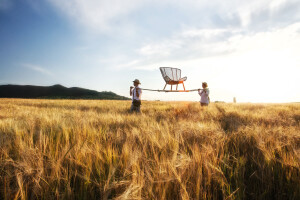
[[137, 81], [204, 83]]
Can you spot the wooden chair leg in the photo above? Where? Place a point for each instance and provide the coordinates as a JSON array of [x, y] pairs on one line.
[[183, 86], [165, 87], [177, 87], [171, 87]]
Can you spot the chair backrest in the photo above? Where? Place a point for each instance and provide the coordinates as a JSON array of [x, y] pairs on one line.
[[170, 73]]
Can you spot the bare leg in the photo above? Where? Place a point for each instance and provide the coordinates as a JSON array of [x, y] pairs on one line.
[[183, 86], [131, 108]]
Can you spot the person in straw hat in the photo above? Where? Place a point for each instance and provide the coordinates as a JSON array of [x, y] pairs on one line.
[[136, 94], [204, 94]]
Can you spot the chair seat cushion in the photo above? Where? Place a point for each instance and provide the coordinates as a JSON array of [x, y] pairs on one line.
[[174, 82]]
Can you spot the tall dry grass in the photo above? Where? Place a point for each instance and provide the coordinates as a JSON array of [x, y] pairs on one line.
[[85, 149]]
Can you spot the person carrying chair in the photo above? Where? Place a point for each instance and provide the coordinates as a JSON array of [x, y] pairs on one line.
[[204, 94], [136, 94]]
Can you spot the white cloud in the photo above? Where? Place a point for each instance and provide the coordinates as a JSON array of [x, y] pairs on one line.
[[106, 16], [198, 44], [160, 49], [37, 68], [203, 33], [97, 15], [112, 17]]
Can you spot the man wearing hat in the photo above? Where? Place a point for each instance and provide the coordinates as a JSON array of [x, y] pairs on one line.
[[136, 94], [204, 93]]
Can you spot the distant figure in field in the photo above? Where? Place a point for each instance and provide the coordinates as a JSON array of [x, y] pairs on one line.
[[136, 94], [204, 94]]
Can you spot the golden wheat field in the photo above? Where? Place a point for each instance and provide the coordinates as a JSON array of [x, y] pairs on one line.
[[93, 149]]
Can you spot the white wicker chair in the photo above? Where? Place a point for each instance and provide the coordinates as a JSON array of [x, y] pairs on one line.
[[172, 76]]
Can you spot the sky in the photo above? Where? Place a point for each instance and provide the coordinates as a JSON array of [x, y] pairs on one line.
[[244, 49]]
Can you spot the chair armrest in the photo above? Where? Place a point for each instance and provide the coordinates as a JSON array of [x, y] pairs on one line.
[[183, 79]]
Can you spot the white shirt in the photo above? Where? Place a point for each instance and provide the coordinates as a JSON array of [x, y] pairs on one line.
[[134, 96], [204, 95]]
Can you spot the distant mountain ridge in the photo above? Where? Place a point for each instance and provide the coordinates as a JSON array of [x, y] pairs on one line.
[[54, 92]]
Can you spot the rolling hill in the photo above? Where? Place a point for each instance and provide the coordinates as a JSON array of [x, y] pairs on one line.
[[54, 92]]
